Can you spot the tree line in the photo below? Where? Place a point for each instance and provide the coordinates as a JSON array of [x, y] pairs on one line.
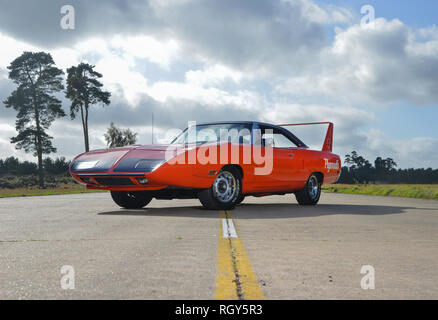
[[39, 82], [13, 166], [357, 169]]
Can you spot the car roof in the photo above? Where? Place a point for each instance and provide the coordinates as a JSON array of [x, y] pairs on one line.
[[238, 122], [294, 138]]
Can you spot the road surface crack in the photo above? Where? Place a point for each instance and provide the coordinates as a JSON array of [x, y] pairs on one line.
[[239, 290]]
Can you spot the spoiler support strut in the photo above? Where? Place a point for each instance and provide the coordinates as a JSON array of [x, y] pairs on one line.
[[328, 141]]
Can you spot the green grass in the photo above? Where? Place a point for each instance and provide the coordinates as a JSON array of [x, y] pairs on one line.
[[72, 188], [421, 191]]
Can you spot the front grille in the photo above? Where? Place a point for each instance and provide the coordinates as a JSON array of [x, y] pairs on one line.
[[114, 181], [88, 180]]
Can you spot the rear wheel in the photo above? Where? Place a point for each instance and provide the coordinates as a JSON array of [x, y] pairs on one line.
[[225, 191], [311, 193], [131, 199]]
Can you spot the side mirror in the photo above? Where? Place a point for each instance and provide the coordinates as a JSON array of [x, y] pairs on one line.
[[269, 143]]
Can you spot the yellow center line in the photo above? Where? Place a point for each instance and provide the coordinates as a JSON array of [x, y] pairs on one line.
[[235, 277]]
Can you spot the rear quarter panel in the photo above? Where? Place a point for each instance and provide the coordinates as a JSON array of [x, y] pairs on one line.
[[327, 163]]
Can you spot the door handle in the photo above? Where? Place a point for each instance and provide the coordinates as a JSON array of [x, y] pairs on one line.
[[291, 155]]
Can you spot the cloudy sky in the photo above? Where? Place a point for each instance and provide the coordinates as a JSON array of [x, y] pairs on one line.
[[271, 60]]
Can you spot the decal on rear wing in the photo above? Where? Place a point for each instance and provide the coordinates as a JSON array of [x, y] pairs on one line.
[[328, 141]]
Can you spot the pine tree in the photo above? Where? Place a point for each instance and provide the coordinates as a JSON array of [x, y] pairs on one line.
[[38, 80], [116, 137], [83, 89]]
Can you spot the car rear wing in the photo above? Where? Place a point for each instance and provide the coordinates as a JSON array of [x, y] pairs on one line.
[[328, 141]]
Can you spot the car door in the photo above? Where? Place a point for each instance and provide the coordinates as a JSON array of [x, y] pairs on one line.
[[287, 160]]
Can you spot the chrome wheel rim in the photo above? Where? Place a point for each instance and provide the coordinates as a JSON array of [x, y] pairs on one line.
[[225, 186], [313, 188]]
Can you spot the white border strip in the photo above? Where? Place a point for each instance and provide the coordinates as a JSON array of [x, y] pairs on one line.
[[228, 229]]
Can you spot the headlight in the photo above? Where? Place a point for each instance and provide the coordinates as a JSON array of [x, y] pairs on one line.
[[86, 165], [149, 164], [138, 165], [92, 166]]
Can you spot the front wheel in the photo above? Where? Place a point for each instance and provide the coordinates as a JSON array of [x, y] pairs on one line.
[[311, 192], [224, 193], [131, 199]]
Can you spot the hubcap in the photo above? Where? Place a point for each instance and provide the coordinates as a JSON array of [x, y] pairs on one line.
[[313, 188], [225, 186]]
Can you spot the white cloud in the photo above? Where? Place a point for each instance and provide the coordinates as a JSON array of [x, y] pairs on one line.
[[211, 96], [213, 75], [326, 15], [121, 79], [417, 152], [11, 49], [387, 64], [6, 148], [162, 53]]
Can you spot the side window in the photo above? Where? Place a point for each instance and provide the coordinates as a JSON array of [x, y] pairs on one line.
[[257, 135], [245, 136], [279, 140]]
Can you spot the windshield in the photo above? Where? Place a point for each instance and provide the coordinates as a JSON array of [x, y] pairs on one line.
[[234, 132]]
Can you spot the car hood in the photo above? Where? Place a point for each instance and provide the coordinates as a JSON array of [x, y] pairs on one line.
[[125, 158]]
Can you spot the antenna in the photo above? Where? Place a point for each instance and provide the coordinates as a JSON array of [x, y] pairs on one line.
[[152, 128]]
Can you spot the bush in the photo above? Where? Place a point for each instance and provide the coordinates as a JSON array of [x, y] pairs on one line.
[[13, 166], [28, 181]]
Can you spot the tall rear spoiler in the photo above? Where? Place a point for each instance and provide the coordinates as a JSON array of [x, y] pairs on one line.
[[328, 142]]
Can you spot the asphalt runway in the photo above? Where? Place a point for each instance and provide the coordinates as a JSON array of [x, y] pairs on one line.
[[177, 250]]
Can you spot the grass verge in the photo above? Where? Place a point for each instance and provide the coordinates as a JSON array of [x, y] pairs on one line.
[[72, 188], [420, 191]]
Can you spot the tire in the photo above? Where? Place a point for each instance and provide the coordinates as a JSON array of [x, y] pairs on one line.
[[310, 194], [131, 199], [241, 198], [224, 192]]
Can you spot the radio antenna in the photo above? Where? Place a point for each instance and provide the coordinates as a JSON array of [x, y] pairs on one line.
[[152, 128]]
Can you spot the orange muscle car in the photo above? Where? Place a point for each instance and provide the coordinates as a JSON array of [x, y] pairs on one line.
[[219, 163]]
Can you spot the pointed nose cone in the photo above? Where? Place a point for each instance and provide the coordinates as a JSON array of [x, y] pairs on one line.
[[97, 160]]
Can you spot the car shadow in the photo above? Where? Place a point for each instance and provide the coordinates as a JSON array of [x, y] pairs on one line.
[[267, 211]]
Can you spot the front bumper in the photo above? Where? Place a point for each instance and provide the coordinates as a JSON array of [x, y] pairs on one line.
[[116, 181]]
